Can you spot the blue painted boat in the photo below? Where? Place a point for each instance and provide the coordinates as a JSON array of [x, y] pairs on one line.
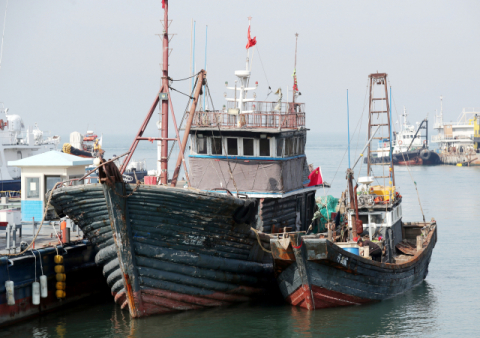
[[83, 279]]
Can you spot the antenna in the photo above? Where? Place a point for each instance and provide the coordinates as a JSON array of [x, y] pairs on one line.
[[295, 87]]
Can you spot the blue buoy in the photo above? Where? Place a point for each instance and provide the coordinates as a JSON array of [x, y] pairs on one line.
[[355, 251]]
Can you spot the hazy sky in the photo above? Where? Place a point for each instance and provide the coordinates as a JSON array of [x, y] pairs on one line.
[[72, 64]]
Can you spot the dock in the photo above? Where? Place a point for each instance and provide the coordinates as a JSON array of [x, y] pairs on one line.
[[46, 237]]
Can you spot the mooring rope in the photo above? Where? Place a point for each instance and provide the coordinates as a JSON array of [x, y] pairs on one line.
[[260, 242]]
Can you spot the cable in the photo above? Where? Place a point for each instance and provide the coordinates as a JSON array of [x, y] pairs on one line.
[[191, 98], [187, 78], [219, 131], [266, 78]]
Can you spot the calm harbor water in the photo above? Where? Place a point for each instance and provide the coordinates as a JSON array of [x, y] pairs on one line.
[[446, 304]]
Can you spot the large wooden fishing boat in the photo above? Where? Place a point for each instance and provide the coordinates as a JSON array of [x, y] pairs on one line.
[[325, 270], [167, 248]]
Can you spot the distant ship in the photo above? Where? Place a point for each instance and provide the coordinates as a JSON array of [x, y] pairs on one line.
[[408, 146], [456, 140], [18, 142]]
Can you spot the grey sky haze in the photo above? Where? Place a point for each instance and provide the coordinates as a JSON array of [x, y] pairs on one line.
[[69, 64]]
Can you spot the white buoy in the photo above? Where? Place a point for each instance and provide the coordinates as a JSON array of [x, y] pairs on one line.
[[10, 292], [43, 286], [36, 293]]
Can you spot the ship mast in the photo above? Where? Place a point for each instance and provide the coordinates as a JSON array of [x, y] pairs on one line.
[[164, 147], [295, 89]]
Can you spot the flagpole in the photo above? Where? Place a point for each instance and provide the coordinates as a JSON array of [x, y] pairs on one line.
[[348, 127], [206, 36], [295, 69]]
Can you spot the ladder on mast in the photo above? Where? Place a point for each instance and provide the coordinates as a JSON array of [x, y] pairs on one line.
[[376, 119]]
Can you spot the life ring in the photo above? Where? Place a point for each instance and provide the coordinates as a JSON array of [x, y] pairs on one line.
[[2, 124], [400, 142], [385, 144]]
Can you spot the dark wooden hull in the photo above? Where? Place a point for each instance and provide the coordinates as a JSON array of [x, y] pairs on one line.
[[84, 279], [409, 158], [315, 273], [181, 249], [85, 205]]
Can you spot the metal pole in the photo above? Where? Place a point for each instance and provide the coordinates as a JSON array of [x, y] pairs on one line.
[[193, 53], [206, 36], [348, 127], [201, 76], [164, 158], [391, 133]]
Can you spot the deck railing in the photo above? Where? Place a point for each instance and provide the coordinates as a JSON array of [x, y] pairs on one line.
[[256, 114]]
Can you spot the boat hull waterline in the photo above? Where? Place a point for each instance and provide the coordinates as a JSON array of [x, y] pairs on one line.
[[317, 274], [181, 249]]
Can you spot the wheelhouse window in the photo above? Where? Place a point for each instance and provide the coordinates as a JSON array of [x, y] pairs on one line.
[[248, 147], [201, 144], [232, 146], [279, 147], [264, 147], [301, 145], [288, 146], [216, 146]]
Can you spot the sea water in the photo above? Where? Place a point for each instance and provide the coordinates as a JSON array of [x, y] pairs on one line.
[[446, 304]]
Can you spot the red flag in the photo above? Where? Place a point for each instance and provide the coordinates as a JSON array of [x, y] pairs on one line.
[[163, 4], [315, 177], [295, 85], [251, 42]]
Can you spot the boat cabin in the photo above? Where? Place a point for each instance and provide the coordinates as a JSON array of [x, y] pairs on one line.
[[255, 149]]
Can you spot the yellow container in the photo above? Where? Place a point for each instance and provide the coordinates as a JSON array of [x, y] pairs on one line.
[[60, 294], [58, 259], [385, 191], [61, 277], [59, 269], [60, 286]]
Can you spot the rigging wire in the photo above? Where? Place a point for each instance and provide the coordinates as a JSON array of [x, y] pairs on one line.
[[187, 78], [265, 73], [406, 165], [355, 130], [181, 121], [219, 131], [191, 98]]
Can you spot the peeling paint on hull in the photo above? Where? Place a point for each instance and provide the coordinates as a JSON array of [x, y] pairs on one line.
[[318, 274], [182, 250]]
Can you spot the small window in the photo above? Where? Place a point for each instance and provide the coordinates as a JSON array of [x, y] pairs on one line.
[[33, 187], [279, 147], [50, 182], [216, 145], [295, 146], [201, 145], [264, 147], [232, 146], [248, 146], [301, 145], [288, 147]]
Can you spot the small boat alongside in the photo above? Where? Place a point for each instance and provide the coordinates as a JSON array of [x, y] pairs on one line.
[[338, 268]]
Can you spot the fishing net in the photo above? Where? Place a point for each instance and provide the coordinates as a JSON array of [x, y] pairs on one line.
[[326, 205]]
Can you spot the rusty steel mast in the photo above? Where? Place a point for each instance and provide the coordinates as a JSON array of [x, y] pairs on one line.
[[379, 79]]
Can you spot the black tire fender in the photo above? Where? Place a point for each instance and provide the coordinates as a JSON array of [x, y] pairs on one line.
[[425, 154], [244, 212]]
